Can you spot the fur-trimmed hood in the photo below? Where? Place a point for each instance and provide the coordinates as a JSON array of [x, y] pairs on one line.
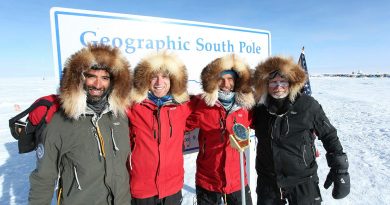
[[160, 62], [72, 93], [286, 66], [211, 74]]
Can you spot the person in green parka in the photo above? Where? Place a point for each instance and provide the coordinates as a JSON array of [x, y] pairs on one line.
[[85, 147]]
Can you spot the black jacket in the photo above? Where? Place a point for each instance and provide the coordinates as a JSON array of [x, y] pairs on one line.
[[285, 149]]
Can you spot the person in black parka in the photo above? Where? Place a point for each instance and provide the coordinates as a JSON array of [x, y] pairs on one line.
[[286, 124]]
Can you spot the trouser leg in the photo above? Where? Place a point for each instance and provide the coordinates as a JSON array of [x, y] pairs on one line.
[[205, 197], [235, 198], [174, 199], [145, 201], [269, 194]]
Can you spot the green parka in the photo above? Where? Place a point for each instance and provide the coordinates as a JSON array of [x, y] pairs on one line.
[[86, 151], [72, 150]]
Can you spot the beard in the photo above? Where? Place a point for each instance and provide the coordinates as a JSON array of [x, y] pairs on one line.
[[95, 98], [97, 102]]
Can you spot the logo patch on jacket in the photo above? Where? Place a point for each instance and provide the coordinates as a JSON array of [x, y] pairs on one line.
[[40, 151]]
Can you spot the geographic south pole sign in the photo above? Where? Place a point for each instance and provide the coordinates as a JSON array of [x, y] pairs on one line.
[[196, 43]]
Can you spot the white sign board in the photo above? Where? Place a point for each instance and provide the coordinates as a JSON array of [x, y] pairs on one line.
[[196, 43]]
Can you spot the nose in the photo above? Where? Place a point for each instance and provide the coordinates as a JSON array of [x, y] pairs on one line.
[[225, 83], [159, 80], [97, 83]]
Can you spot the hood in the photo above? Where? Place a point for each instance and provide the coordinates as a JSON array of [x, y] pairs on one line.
[[211, 74], [72, 94], [160, 62], [286, 66]]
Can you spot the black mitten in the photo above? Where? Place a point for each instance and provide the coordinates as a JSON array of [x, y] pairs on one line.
[[338, 175]]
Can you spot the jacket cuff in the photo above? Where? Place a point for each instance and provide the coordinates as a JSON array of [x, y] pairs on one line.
[[337, 161]]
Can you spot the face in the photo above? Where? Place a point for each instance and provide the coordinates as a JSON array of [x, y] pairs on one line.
[[97, 82], [278, 87], [226, 83], [160, 85]]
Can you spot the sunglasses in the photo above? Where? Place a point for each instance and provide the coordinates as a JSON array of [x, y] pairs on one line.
[[274, 73], [275, 84]]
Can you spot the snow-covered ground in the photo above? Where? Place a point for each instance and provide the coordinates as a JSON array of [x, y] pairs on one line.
[[358, 107]]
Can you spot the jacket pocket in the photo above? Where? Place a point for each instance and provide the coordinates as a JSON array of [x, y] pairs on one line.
[[307, 154], [304, 155]]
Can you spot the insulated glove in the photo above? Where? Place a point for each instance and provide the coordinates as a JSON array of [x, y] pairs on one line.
[[338, 175], [341, 183]]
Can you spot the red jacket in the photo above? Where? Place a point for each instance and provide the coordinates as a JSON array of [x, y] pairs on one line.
[[218, 164], [156, 138]]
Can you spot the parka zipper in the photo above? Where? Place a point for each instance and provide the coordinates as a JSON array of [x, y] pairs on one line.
[[170, 125], [98, 143], [272, 123], [153, 121], [100, 140], [158, 126], [222, 125], [158, 141]]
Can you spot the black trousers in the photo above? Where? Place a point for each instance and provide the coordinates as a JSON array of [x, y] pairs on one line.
[[306, 193], [205, 197], [174, 199]]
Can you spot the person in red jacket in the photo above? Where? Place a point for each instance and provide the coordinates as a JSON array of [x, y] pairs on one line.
[[157, 125], [226, 100]]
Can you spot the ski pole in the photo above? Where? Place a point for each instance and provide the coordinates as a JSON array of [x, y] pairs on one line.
[[243, 199], [240, 141]]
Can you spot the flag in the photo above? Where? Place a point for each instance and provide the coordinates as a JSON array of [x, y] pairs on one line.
[[302, 62]]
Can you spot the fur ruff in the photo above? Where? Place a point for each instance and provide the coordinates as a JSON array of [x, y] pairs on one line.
[[286, 66], [72, 94], [160, 62], [211, 74]]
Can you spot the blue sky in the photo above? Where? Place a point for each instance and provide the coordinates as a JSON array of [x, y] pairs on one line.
[[339, 36]]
